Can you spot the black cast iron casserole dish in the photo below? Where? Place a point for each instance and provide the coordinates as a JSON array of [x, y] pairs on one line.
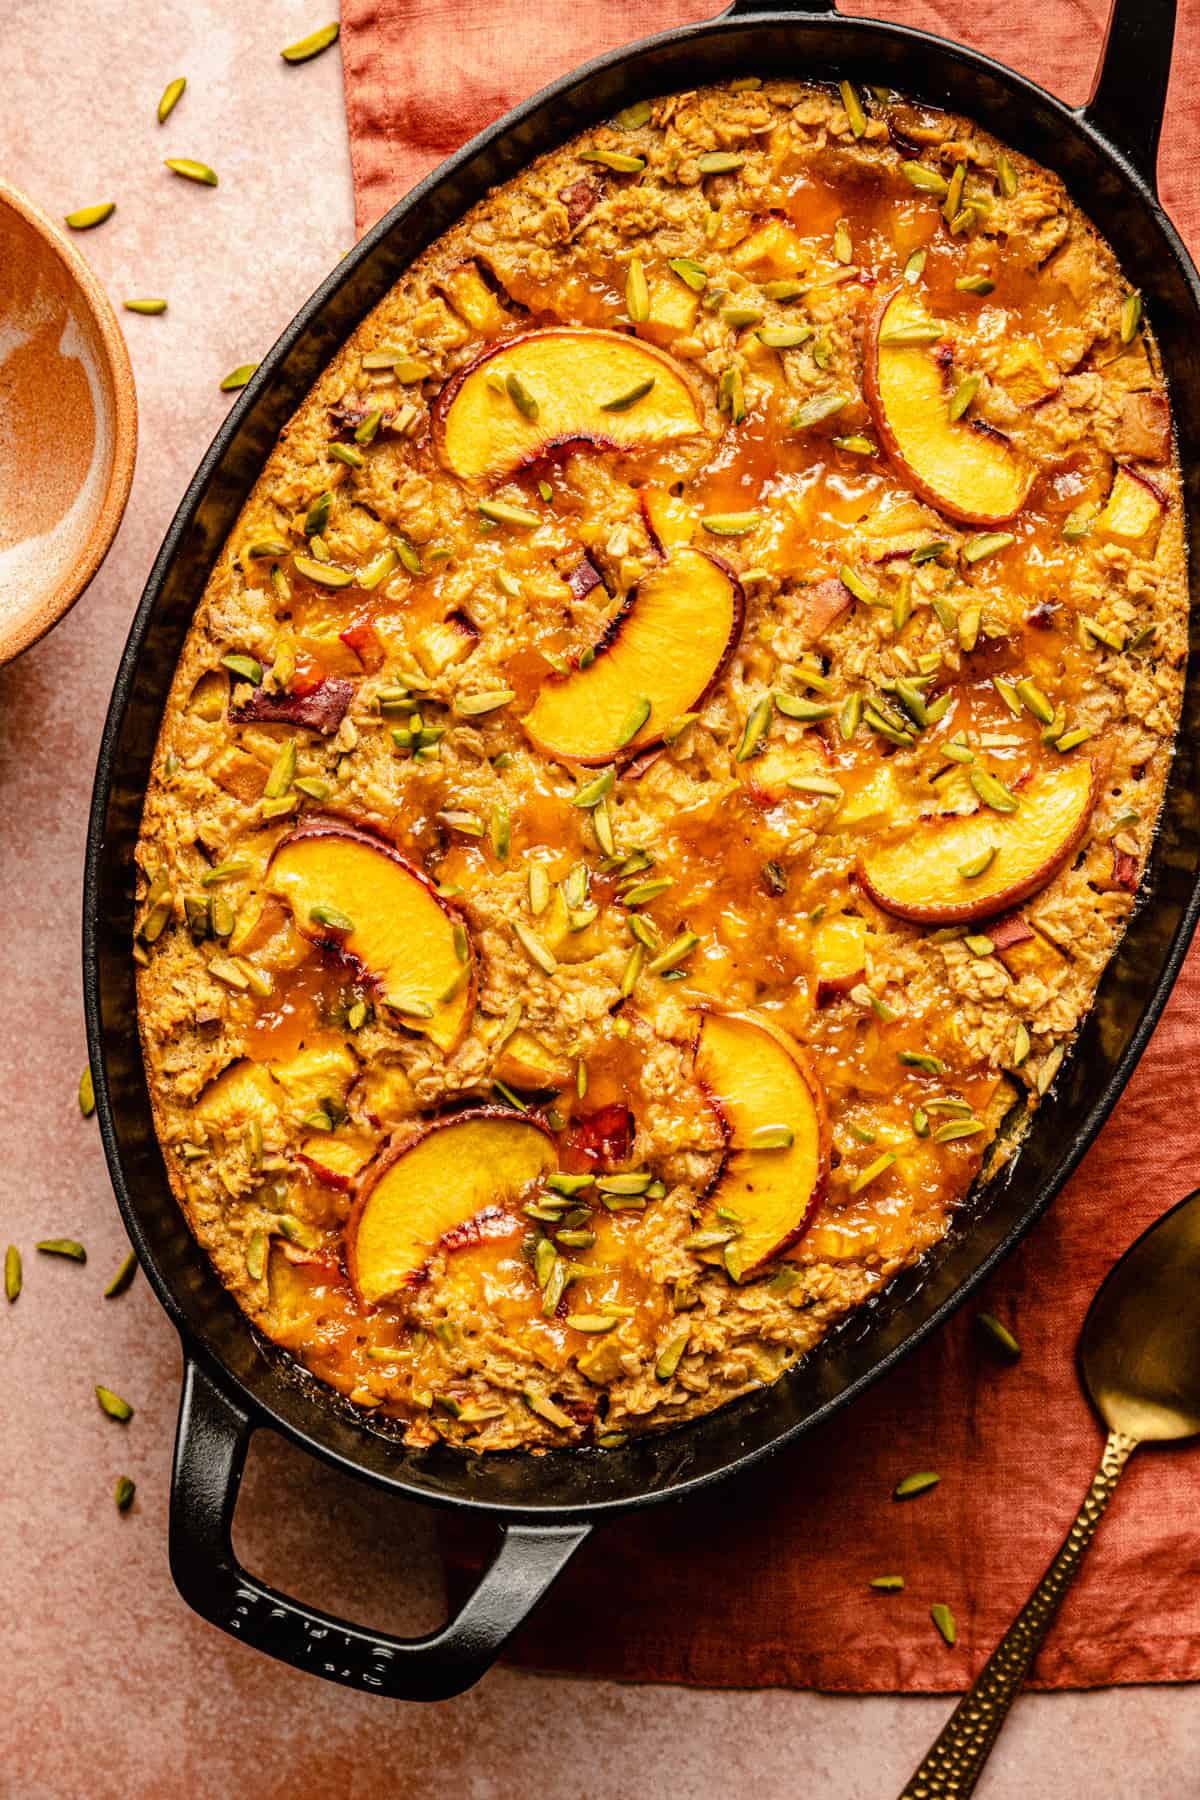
[[547, 1505]]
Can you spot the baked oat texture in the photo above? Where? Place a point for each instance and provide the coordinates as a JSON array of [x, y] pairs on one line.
[[880, 411]]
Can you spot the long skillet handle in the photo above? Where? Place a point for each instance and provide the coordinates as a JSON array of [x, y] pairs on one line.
[[1130, 95], [955, 1763], [210, 1453]]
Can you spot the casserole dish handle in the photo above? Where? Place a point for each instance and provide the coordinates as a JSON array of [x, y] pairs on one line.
[[1130, 95], [210, 1453]]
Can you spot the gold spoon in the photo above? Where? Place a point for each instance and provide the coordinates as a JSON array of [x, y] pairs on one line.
[[1139, 1355]]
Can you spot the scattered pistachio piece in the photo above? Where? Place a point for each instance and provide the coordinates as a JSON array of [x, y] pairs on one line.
[[68, 1247], [113, 1405], [237, 378], [912, 1485], [123, 1277], [148, 307], [305, 48], [943, 1618], [171, 96], [87, 1093], [888, 1584], [12, 1273], [86, 217], [997, 1336], [988, 543], [191, 170]]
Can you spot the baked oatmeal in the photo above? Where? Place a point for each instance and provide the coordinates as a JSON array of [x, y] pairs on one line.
[[661, 763]]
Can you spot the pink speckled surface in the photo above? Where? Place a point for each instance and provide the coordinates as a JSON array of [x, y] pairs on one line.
[[110, 1686]]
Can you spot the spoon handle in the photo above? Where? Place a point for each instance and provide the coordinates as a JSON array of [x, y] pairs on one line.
[[955, 1762]]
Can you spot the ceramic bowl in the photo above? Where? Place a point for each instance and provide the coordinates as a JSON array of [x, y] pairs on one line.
[[68, 424]]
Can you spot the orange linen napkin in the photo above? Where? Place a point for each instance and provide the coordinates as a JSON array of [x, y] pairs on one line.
[[764, 1584]]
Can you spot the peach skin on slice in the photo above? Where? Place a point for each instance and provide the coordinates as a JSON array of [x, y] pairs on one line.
[[965, 468], [919, 875], [777, 1168], [357, 893], [556, 389], [658, 658], [461, 1170]]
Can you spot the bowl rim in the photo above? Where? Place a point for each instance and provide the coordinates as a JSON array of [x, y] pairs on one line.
[[34, 621]]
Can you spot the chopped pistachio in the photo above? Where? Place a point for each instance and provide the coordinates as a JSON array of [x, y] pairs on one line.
[[305, 48], [731, 394], [719, 162], [689, 271], [621, 162], [854, 108], [87, 1093], [963, 395], [1131, 316], [676, 951], [771, 1137], [504, 512], [856, 446], [534, 948], [993, 793], [920, 1059], [988, 543], [952, 204], [912, 1485], [624, 401], [731, 524], [818, 409], [943, 1618], [757, 725], [85, 218], [525, 402], [973, 284], [632, 118], [191, 170], [871, 1173], [237, 378], [850, 717], [637, 293], [978, 865], [1006, 176], [914, 268], [997, 1336], [113, 1405]]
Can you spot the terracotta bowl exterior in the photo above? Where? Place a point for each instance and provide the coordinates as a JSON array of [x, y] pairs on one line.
[[68, 424]]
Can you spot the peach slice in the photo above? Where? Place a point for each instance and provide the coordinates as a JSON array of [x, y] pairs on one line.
[[336, 1157], [357, 893], [1134, 508], [242, 1093], [919, 875], [765, 1087], [466, 1167], [525, 1062], [658, 658], [572, 387], [670, 521], [963, 467]]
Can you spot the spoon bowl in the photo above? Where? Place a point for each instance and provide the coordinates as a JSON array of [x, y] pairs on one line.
[[1139, 1357], [1139, 1351], [68, 423]]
